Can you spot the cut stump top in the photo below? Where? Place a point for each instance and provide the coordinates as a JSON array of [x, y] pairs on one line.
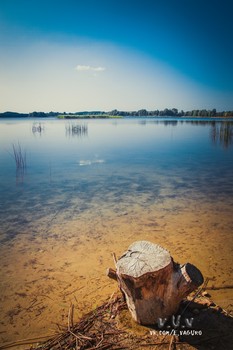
[[143, 257]]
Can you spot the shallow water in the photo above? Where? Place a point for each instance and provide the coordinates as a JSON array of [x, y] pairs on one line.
[[93, 187]]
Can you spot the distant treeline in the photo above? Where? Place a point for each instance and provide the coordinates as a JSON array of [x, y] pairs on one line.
[[174, 113], [28, 115], [140, 113]]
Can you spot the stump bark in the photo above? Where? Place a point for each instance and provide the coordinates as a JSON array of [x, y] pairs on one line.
[[153, 284]]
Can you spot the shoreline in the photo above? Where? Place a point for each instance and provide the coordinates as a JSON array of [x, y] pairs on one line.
[[77, 117]]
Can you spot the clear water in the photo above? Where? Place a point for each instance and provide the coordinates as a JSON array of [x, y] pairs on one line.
[[97, 165], [93, 187]]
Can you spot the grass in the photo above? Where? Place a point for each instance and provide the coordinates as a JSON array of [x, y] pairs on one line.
[[19, 156], [87, 116], [80, 130]]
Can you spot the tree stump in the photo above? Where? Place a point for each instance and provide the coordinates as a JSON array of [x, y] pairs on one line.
[[152, 283]]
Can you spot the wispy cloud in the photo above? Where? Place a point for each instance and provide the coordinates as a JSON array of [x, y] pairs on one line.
[[83, 68]]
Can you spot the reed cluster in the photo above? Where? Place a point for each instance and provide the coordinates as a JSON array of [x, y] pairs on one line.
[[19, 156], [79, 130]]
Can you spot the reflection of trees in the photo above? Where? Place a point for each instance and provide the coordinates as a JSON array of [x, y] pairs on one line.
[[223, 133], [170, 122], [164, 122], [199, 122], [76, 130]]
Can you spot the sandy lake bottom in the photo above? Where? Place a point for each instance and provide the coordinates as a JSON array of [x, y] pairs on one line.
[[64, 261]]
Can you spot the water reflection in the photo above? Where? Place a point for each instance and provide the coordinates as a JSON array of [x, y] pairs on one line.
[[165, 122], [138, 162], [142, 122], [20, 160], [37, 128], [20, 176], [222, 133], [170, 122], [76, 130], [199, 122]]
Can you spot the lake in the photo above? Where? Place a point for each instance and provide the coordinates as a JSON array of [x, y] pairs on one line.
[[92, 187]]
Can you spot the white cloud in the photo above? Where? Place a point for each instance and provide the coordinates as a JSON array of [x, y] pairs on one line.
[[83, 68]]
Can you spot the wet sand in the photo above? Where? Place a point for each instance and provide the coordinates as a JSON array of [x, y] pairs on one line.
[[64, 261]]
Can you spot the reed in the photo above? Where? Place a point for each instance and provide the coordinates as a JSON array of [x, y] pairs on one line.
[[19, 156], [37, 128], [76, 129]]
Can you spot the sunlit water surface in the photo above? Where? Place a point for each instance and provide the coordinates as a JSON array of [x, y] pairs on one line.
[[109, 164]]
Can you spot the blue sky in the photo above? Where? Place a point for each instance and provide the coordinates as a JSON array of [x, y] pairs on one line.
[[125, 54]]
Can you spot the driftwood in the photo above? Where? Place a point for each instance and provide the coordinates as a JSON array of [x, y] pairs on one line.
[[152, 283]]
